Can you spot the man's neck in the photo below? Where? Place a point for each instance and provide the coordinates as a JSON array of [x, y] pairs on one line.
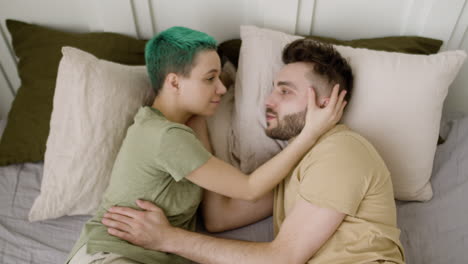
[[291, 140], [330, 131]]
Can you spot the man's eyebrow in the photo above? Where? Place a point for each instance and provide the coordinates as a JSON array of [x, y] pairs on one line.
[[212, 70], [288, 84]]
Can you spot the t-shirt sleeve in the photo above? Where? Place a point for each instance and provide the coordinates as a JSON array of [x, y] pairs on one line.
[[337, 175], [181, 152]]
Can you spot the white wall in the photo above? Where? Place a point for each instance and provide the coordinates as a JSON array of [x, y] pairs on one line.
[[457, 99], [344, 19]]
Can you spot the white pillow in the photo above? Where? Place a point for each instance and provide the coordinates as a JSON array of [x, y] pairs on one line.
[[95, 102], [396, 104]]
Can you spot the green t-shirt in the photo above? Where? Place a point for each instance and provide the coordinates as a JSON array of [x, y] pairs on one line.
[[152, 163]]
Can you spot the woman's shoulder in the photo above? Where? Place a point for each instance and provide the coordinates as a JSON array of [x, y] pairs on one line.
[[150, 118]]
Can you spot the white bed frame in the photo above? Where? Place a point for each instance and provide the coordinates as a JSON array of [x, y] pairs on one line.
[[344, 19]]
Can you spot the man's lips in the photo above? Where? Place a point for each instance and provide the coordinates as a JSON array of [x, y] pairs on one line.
[[216, 102], [270, 116]]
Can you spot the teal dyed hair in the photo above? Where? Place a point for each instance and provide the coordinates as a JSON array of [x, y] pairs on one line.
[[174, 51]]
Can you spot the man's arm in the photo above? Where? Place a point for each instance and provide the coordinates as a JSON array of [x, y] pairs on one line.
[[304, 231], [221, 213]]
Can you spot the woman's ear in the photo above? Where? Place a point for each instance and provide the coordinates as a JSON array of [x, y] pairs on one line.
[[172, 81]]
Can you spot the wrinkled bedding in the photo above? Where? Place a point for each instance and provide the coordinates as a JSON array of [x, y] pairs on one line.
[[437, 231], [432, 232], [22, 241]]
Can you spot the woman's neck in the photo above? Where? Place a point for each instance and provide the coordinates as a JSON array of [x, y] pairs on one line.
[[169, 109]]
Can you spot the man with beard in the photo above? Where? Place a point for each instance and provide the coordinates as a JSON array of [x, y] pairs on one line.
[[336, 206]]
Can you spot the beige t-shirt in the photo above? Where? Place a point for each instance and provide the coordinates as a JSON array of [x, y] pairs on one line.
[[344, 172]]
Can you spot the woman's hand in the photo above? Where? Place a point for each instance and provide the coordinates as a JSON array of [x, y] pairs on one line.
[[147, 229], [319, 120]]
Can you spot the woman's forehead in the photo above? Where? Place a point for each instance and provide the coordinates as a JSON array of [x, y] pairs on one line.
[[206, 62]]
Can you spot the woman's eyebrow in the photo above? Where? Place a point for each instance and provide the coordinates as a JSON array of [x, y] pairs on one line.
[[212, 70]]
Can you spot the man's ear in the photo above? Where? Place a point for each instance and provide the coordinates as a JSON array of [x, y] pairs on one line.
[[323, 101]]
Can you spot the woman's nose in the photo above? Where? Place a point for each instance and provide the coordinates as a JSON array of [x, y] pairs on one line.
[[220, 89]]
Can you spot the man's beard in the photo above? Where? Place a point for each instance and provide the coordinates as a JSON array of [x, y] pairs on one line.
[[288, 127]]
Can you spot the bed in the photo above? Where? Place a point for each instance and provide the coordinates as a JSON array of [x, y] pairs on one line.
[[435, 231], [432, 232]]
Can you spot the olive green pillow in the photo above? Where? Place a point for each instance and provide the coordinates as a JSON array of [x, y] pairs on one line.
[[39, 51]]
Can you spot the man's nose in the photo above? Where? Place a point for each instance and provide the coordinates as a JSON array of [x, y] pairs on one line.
[[270, 101]]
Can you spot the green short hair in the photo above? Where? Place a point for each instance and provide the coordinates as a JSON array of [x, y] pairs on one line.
[[173, 51]]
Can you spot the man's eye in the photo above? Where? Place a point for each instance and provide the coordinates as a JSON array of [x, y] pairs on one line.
[[284, 91], [211, 79]]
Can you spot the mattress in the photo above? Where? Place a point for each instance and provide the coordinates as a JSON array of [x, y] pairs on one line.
[[432, 232]]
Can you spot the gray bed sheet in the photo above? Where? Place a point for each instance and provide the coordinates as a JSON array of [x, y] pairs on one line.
[[432, 232], [437, 231], [22, 241]]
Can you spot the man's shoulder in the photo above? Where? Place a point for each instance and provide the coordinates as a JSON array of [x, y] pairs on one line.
[[343, 144], [342, 138], [344, 157]]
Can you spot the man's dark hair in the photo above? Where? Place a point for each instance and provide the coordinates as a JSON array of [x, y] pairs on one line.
[[326, 60]]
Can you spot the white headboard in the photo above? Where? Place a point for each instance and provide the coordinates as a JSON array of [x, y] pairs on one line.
[[344, 19]]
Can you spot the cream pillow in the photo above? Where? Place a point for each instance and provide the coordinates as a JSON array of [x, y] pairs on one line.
[[397, 105], [220, 124], [94, 104]]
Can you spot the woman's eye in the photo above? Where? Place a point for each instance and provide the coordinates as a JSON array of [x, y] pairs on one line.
[[211, 79]]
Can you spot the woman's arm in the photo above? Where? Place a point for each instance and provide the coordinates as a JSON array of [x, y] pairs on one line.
[[220, 177], [220, 212]]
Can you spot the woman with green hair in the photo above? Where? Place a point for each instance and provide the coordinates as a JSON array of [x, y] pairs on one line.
[[165, 157]]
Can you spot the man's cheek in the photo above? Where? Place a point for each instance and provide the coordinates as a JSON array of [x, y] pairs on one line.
[[272, 122]]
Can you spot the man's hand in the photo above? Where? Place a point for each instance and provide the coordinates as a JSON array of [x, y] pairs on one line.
[[303, 232], [147, 229]]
